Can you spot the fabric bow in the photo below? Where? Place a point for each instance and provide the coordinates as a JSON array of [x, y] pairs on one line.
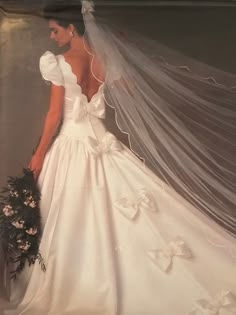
[[108, 143], [163, 257], [82, 108], [129, 208], [224, 300], [87, 7]]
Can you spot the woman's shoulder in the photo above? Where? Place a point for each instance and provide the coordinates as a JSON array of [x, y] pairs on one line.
[[48, 57], [74, 57], [50, 68]]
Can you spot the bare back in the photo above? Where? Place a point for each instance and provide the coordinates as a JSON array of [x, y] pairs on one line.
[[81, 68]]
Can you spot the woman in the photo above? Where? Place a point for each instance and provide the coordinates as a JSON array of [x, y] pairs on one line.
[[116, 239]]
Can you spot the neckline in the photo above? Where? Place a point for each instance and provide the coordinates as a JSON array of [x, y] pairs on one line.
[[76, 81]]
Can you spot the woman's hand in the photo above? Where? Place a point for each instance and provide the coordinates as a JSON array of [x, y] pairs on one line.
[[36, 165]]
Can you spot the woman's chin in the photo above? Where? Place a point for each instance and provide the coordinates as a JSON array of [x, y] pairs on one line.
[[60, 44]]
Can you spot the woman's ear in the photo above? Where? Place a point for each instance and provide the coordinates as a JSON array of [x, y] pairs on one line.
[[71, 28]]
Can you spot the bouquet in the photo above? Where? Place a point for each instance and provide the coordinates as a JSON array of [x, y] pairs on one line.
[[20, 221]]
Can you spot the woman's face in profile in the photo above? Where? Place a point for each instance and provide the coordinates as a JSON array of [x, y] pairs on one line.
[[60, 34]]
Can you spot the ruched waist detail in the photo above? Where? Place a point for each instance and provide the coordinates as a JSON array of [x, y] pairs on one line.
[[92, 133], [89, 126]]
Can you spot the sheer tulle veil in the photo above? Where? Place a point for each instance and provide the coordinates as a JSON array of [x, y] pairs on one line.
[[179, 114]]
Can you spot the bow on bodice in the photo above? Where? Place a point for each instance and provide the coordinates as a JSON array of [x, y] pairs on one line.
[[82, 107]]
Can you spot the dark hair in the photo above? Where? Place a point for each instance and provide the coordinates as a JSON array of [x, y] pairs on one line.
[[65, 14]]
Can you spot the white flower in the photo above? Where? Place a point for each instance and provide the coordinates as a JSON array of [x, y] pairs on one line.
[[23, 246], [8, 211], [14, 193], [87, 7], [31, 231], [18, 224], [30, 202]]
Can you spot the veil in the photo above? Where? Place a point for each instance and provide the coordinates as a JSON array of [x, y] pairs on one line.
[[179, 114]]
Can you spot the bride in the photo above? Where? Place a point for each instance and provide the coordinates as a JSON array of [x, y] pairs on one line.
[[118, 239]]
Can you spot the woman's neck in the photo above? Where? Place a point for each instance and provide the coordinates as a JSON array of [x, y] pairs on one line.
[[79, 45]]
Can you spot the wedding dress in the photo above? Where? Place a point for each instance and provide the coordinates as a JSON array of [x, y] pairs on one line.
[[116, 239]]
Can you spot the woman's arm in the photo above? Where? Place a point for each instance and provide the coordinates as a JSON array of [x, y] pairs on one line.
[[51, 124]]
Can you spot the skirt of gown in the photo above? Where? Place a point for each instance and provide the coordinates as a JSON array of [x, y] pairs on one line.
[[117, 241]]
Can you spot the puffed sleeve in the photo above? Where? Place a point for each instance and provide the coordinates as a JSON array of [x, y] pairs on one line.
[[50, 69]]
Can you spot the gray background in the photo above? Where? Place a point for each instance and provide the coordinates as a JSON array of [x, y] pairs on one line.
[[207, 33]]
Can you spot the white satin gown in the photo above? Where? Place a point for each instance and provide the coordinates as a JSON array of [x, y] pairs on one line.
[[116, 240]]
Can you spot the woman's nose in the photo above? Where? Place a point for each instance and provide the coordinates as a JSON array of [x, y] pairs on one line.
[[52, 36]]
